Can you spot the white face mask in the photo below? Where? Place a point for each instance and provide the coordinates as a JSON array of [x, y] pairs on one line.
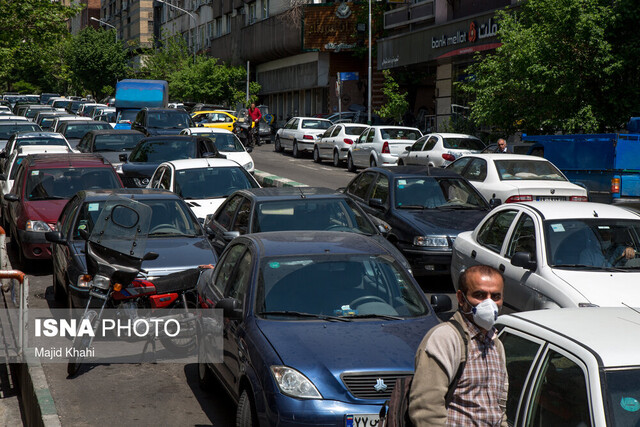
[[485, 314]]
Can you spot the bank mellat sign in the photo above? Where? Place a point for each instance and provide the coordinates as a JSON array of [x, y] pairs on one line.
[[459, 38], [329, 28]]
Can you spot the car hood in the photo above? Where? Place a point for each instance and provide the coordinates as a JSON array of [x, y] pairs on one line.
[[240, 157], [44, 210], [604, 288], [137, 169], [442, 221], [562, 188], [323, 350], [158, 132], [178, 253], [203, 207]]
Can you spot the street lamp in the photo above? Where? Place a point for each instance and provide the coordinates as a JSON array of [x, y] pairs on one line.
[[107, 24], [195, 24], [369, 77]]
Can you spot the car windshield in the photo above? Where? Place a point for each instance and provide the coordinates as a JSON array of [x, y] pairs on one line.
[[316, 124], [593, 243], [62, 183], [543, 170], [335, 214], [61, 104], [346, 286], [7, 130], [116, 142], [436, 192], [354, 130], [395, 133], [623, 394], [226, 142], [206, 183], [169, 119], [40, 141], [462, 143], [79, 130], [169, 218], [129, 115], [160, 151]]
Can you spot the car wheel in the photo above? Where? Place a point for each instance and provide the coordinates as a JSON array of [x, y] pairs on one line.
[[277, 147], [350, 166], [373, 163], [244, 415], [316, 155], [400, 163], [296, 153], [58, 292], [336, 159]]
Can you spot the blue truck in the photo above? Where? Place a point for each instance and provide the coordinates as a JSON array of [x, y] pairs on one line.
[[134, 94], [608, 165]]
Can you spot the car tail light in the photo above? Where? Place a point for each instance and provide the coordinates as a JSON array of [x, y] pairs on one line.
[[308, 137], [615, 185], [579, 198], [449, 157], [348, 141], [385, 148], [514, 199]]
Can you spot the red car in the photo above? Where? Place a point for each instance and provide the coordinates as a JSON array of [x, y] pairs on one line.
[[43, 185]]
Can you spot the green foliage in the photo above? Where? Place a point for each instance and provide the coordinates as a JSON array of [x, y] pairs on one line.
[[172, 56], [397, 103], [25, 87], [558, 68]]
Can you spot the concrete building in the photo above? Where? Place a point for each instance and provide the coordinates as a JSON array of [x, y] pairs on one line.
[[134, 22], [90, 10]]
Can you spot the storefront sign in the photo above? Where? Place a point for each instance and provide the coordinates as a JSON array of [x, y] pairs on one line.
[[329, 27], [475, 33]]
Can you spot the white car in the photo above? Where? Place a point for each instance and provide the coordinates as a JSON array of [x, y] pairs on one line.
[[380, 146], [203, 183], [227, 143], [55, 124], [517, 178], [572, 367], [300, 134], [334, 143], [99, 111], [557, 254], [13, 118], [440, 149], [23, 139]]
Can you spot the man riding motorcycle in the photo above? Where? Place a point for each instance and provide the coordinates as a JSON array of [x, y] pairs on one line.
[[254, 115]]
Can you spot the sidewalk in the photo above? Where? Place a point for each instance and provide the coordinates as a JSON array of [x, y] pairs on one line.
[[10, 414]]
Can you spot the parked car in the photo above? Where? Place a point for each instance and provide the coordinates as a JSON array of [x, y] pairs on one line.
[[43, 185], [214, 119], [110, 143], [174, 234], [161, 121], [21, 139], [136, 169], [203, 183], [556, 254], [572, 367], [299, 134], [440, 149], [334, 143], [74, 131], [380, 146], [425, 208], [517, 178], [293, 303], [227, 144], [9, 127]]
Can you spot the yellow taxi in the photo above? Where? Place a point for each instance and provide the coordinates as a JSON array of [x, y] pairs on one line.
[[214, 119]]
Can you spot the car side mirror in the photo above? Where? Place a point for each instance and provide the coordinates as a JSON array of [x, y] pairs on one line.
[[230, 308], [249, 149], [150, 256], [9, 197], [209, 231], [440, 303], [376, 203], [123, 157], [408, 148], [55, 237], [201, 221], [230, 235], [494, 203], [523, 259]]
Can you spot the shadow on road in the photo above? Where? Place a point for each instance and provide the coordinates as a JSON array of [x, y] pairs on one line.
[[215, 402]]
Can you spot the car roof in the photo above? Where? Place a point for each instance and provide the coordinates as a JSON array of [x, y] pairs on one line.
[[162, 138], [36, 134], [25, 150], [115, 132], [393, 127], [171, 110], [604, 330], [66, 159], [453, 135], [406, 171], [311, 118], [290, 193], [507, 156], [86, 121], [135, 193], [567, 210], [201, 163], [294, 243], [204, 130], [212, 111]]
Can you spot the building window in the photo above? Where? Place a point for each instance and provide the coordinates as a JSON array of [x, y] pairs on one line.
[[210, 29], [228, 24], [265, 8], [252, 13], [218, 27]]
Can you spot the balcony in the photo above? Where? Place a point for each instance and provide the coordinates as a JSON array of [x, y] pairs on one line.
[[411, 14]]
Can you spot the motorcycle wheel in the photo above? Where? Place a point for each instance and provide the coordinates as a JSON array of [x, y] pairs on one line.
[[183, 344], [81, 343]]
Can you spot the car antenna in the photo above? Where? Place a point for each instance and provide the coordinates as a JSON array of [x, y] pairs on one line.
[[628, 306], [301, 193], [595, 214]]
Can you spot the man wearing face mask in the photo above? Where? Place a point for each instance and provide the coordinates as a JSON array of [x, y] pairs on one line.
[[457, 387]]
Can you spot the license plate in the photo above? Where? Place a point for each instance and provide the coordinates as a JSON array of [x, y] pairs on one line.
[[550, 199], [362, 420]]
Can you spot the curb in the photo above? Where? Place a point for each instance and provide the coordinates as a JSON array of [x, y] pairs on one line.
[[38, 406], [268, 180]]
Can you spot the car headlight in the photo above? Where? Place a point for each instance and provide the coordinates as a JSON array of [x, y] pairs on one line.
[[294, 384], [37, 226], [248, 166], [431, 241]]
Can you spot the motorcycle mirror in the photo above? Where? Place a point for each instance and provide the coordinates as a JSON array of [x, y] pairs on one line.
[[249, 149], [150, 256]]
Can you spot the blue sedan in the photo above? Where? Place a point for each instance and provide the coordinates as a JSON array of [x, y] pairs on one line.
[[318, 325]]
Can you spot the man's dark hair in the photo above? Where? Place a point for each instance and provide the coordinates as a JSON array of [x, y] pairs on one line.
[[483, 270]]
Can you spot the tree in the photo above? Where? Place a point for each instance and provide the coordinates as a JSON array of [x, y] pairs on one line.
[[96, 59], [397, 103], [556, 69], [172, 56]]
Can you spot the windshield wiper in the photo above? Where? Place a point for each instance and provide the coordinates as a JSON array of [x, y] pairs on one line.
[[301, 314], [587, 267], [173, 234], [412, 207], [375, 316], [457, 207]]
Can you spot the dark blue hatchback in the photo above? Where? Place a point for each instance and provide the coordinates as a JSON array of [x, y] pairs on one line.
[[317, 327]]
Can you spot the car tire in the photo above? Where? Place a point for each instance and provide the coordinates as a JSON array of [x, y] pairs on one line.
[[373, 163], [336, 159], [350, 166], [277, 146], [58, 293], [316, 155], [400, 162], [295, 151], [245, 414]]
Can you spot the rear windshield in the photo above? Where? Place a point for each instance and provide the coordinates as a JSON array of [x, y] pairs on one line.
[[79, 130], [226, 142], [528, 170], [161, 151], [7, 130], [463, 144], [61, 104], [116, 142], [169, 119], [354, 130], [316, 124], [391, 134], [62, 183], [40, 141]]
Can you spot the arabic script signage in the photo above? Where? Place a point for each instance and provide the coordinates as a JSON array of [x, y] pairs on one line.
[[329, 27], [473, 34]]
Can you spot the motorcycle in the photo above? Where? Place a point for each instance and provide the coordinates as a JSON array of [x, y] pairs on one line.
[[114, 252], [243, 132]]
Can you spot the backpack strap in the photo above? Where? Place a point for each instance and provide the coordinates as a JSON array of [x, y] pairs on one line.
[[463, 361]]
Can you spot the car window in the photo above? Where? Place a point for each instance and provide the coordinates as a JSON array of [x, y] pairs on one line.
[[462, 143], [430, 143], [66, 217], [523, 238], [493, 232], [417, 146], [241, 222], [459, 165], [560, 394], [336, 131], [520, 354], [372, 134], [381, 189], [315, 124], [294, 125], [228, 211], [240, 283], [360, 187], [165, 181], [477, 170], [227, 263], [87, 217], [328, 132], [509, 170], [155, 179]]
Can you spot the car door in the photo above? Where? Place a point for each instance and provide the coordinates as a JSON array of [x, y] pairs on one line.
[[291, 133], [62, 255], [427, 156], [359, 150], [476, 173], [222, 222], [379, 192], [324, 143], [416, 148]]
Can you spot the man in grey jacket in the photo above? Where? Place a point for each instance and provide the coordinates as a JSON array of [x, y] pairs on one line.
[[480, 393]]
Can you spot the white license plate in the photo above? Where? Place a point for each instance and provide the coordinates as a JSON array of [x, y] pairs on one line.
[[550, 199], [362, 420]]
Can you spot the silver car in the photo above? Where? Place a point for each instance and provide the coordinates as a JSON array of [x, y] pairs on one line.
[[300, 134], [440, 149], [380, 146], [334, 143]]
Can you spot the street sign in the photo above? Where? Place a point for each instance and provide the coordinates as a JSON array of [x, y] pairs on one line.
[[348, 76]]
